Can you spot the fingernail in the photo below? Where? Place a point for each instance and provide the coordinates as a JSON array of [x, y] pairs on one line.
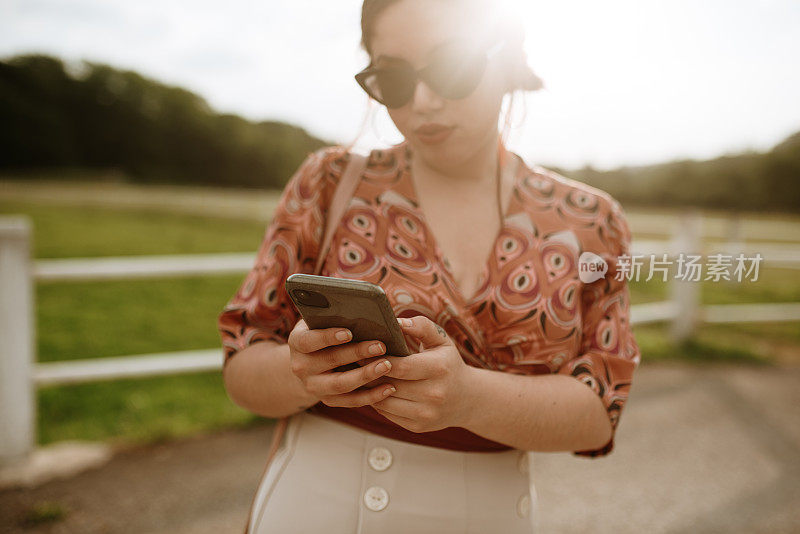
[[343, 335], [376, 348], [383, 367], [405, 322], [389, 391]]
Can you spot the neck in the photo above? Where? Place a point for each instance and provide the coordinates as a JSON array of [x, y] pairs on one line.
[[479, 168]]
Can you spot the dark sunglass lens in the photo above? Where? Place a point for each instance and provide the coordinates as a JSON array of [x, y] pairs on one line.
[[392, 87], [455, 72]]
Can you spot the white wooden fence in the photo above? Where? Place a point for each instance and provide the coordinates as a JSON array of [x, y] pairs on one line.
[[21, 375]]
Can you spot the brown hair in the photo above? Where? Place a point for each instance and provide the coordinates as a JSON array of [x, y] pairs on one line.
[[370, 10]]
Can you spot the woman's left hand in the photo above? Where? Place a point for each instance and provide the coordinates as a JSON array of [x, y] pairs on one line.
[[432, 391]]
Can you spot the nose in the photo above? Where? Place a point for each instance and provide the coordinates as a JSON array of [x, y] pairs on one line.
[[425, 98]]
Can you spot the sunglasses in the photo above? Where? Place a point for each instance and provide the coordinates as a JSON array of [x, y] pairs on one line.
[[454, 72]]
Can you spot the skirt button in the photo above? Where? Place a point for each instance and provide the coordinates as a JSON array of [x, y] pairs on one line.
[[524, 505], [380, 458], [376, 498]]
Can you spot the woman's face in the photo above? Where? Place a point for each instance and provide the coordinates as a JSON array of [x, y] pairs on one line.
[[410, 30]]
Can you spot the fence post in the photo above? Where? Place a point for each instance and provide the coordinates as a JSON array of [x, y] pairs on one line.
[[734, 241], [685, 294], [17, 389]]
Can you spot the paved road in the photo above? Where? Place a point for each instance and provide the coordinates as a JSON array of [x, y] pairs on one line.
[[713, 448]]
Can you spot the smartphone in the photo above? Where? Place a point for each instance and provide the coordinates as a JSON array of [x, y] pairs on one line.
[[361, 307]]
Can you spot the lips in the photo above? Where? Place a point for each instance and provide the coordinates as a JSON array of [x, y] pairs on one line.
[[433, 133], [432, 129]]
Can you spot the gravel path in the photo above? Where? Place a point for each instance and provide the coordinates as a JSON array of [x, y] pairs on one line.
[[710, 448]]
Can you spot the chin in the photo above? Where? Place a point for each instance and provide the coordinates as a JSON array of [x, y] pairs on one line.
[[451, 145], [448, 152]]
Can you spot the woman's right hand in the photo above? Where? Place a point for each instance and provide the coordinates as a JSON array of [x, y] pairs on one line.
[[315, 353]]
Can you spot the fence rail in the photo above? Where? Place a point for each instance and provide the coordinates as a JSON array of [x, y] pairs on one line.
[[20, 375], [126, 267], [111, 268], [98, 369]]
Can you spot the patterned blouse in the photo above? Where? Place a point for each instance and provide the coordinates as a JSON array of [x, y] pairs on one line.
[[531, 313]]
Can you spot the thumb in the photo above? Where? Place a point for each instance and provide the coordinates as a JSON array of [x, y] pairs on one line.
[[426, 331]]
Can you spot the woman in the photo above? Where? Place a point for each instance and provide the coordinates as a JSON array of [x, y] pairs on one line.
[[478, 255]]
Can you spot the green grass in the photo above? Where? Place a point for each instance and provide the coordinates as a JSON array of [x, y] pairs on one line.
[[138, 411], [76, 232], [737, 342], [652, 291], [705, 346], [114, 318], [43, 512], [773, 285], [98, 319], [118, 318]]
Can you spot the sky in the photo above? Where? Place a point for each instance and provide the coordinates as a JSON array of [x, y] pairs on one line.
[[629, 82]]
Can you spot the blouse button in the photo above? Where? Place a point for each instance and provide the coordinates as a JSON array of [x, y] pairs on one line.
[[380, 458], [524, 505], [376, 498]]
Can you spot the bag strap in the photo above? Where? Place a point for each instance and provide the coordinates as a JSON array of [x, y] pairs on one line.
[[344, 192]]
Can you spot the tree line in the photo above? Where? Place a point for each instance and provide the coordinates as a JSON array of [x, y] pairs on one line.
[[98, 117], [93, 116], [751, 181]]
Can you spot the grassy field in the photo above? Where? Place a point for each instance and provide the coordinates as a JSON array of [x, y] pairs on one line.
[[113, 318], [76, 232]]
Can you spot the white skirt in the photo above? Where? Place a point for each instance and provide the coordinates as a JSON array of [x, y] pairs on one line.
[[334, 478]]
